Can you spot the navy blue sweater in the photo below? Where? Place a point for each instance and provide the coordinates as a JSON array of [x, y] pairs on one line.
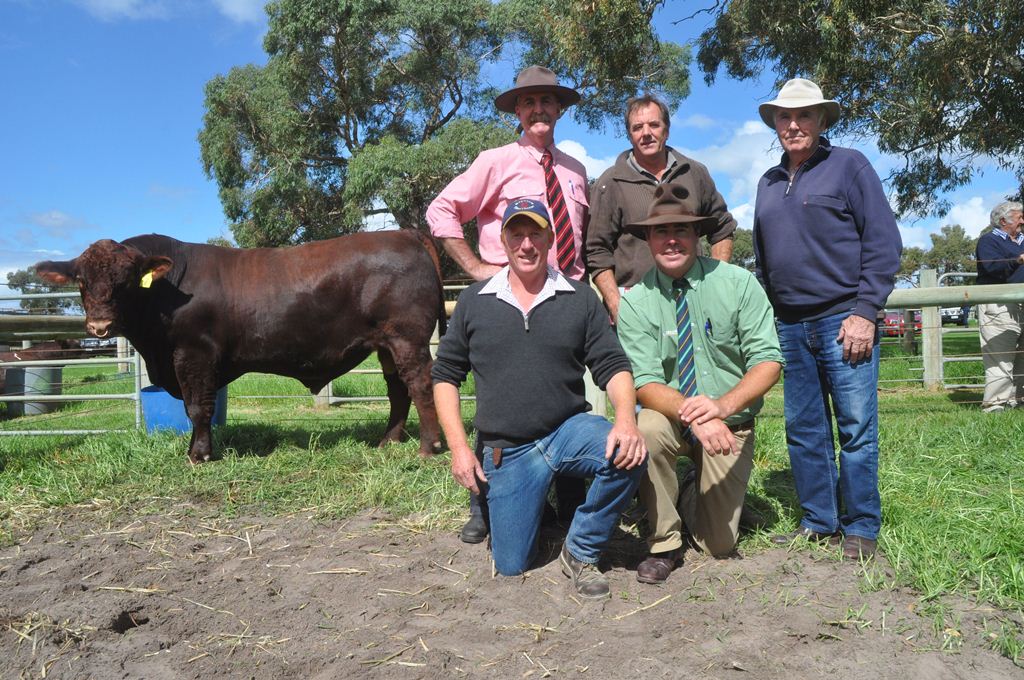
[[825, 240], [997, 259]]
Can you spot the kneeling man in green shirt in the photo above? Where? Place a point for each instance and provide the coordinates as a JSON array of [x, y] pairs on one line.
[[701, 338]]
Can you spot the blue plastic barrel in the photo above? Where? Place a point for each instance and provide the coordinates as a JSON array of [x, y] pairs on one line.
[[161, 411]]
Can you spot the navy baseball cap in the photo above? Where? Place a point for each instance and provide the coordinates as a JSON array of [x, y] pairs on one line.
[[529, 207]]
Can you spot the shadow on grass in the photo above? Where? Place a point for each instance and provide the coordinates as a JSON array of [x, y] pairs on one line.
[[778, 485], [966, 399], [261, 439], [30, 451]]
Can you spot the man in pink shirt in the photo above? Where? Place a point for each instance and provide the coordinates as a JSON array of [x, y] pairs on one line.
[[515, 170], [526, 168]]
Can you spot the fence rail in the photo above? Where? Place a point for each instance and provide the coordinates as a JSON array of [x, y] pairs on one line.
[[929, 297]]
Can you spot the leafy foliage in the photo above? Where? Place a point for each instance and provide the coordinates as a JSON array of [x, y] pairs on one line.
[[937, 82], [952, 251], [743, 248], [373, 105]]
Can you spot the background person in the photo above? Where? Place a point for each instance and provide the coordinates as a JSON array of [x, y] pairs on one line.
[[1000, 255], [528, 334], [616, 258], [732, 361], [827, 248], [529, 167]]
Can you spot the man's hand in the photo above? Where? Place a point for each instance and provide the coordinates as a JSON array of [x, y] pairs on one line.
[[700, 409], [466, 469], [459, 251], [632, 450], [715, 437], [483, 270], [858, 337]]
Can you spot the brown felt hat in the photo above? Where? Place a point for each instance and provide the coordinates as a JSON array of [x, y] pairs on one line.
[[671, 206], [536, 79]]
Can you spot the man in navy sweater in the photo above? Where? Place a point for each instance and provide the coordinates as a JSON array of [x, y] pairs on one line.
[[1000, 255], [827, 248], [528, 333]]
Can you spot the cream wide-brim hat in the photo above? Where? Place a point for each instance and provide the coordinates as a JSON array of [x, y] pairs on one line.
[[797, 94]]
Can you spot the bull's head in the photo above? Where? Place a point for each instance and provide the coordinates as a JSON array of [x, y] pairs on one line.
[[109, 275]]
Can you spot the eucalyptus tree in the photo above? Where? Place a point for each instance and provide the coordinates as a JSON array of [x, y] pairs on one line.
[[937, 82], [371, 106]]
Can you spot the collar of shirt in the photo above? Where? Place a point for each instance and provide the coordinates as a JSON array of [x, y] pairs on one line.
[[670, 163], [536, 152], [694, 277], [1019, 239], [499, 286]]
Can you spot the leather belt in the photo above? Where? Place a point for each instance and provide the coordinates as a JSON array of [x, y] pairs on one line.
[[745, 425]]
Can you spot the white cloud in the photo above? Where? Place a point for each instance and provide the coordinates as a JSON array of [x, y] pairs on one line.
[[594, 166], [242, 11], [741, 160], [743, 214], [972, 215], [112, 10], [697, 120], [55, 223], [916, 236], [12, 260]]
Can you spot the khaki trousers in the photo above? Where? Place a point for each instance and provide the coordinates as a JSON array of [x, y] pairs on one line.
[[1002, 350], [711, 506]]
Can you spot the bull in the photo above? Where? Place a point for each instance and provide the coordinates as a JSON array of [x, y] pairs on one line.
[[203, 315]]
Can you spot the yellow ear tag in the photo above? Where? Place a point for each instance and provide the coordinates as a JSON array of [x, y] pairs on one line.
[[147, 280]]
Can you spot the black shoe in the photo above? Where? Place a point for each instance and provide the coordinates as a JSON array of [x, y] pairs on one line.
[[475, 530]]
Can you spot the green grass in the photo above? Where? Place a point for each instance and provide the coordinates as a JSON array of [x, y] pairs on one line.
[[951, 477]]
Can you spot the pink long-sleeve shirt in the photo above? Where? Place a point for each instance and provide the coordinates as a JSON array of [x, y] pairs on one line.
[[497, 177]]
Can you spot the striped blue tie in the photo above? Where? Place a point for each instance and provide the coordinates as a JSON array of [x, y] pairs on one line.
[[685, 369]]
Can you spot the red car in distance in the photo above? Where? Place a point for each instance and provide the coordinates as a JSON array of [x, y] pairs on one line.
[[893, 324]]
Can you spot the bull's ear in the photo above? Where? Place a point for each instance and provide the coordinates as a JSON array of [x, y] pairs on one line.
[[155, 268], [59, 273]]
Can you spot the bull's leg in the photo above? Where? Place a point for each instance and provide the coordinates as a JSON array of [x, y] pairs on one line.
[[199, 392], [413, 364], [398, 396]]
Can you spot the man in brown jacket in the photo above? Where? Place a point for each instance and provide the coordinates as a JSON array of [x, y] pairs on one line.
[[615, 258]]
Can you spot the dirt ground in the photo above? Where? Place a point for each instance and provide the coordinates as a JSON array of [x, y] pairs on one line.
[[191, 596]]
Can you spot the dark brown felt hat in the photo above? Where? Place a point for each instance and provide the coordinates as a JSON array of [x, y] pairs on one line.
[[671, 206], [536, 79]]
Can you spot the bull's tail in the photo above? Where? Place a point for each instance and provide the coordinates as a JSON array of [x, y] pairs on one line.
[[428, 242]]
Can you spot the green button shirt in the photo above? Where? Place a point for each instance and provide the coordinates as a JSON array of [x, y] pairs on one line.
[[732, 324]]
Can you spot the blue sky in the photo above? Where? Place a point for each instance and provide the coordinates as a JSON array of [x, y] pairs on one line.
[[104, 99]]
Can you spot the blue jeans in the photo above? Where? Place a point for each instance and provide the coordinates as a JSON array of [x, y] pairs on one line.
[[819, 384], [517, 488]]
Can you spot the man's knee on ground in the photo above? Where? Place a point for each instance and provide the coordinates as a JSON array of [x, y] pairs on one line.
[[512, 565], [720, 546]]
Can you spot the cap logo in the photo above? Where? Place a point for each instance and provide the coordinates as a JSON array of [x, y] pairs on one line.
[[523, 204]]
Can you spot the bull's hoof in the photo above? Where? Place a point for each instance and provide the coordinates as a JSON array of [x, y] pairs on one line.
[[431, 450], [196, 460]]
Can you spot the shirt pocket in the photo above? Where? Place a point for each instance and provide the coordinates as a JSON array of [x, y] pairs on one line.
[[510, 191], [823, 201], [576, 202], [720, 335]]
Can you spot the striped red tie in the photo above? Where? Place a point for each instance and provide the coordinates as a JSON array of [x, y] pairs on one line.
[[565, 249]]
